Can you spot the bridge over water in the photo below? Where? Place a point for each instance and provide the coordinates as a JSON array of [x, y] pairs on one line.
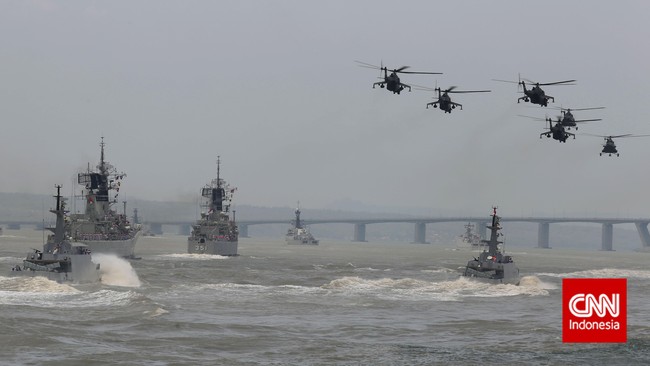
[[420, 226]]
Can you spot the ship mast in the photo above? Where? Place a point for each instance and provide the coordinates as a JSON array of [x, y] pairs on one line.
[[493, 243], [298, 223], [59, 230], [218, 166]]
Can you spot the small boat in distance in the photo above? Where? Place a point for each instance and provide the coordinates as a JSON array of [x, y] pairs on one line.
[[470, 237], [299, 234]]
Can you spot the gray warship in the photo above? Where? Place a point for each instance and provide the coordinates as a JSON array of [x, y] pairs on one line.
[[100, 227], [299, 234], [215, 233], [60, 260], [492, 265], [470, 237]]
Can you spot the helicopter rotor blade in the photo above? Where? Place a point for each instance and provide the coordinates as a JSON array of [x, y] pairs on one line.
[[619, 136], [420, 72], [365, 64], [586, 120], [470, 91], [534, 118], [584, 109], [628, 135], [505, 81], [565, 82], [420, 87]]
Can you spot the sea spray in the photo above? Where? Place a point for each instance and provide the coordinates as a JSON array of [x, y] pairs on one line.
[[116, 271]]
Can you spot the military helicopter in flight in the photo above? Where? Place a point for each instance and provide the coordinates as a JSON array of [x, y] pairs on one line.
[[556, 131], [536, 95], [609, 147], [569, 121], [392, 82], [444, 100]]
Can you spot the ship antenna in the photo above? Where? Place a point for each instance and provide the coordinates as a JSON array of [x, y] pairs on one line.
[[218, 166], [101, 160]]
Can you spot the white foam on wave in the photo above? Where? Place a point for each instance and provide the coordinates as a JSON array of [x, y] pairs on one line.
[[34, 284], [454, 290], [157, 312], [603, 273], [116, 271], [39, 291]]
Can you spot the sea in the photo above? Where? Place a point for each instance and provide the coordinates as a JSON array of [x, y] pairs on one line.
[[338, 303]]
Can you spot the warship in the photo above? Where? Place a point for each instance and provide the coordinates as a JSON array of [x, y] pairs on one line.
[[100, 227], [470, 237], [215, 232], [60, 260], [299, 233], [492, 265]]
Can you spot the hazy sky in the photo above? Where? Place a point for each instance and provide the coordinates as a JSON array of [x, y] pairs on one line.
[[273, 88]]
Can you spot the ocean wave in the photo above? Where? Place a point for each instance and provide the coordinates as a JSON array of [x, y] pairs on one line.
[[603, 273], [36, 284], [453, 290], [39, 291]]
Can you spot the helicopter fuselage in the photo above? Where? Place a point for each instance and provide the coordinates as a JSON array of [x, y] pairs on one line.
[[445, 103], [557, 132], [568, 120], [609, 148], [391, 83], [536, 95]]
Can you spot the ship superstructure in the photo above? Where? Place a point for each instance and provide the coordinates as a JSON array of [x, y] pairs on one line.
[[492, 265], [299, 234], [215, 232], [101, 227]]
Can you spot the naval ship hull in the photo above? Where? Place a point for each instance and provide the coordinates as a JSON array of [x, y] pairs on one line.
[[213, 247], [122, 248], [291, 240], [509, 275], [80, 268]]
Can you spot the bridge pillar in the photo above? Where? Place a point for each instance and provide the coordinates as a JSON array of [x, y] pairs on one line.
[[608, 237], [420, 234], [359, 232], [184, 229], [481, 229], [13, 226], [543, 235], [243, 230], [156, 229], [644, 235]]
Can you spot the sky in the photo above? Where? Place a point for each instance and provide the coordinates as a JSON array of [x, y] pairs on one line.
[[272, 88]]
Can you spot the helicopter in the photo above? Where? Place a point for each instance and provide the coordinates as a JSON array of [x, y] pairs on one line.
[[392, 82], [610, 147], [569, 121], [536, 95], [444, 100], [556, 131]]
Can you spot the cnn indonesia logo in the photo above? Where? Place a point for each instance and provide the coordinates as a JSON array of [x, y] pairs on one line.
[[594, 310]]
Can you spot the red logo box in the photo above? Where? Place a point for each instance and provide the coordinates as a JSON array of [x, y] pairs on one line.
[[594, 310]]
